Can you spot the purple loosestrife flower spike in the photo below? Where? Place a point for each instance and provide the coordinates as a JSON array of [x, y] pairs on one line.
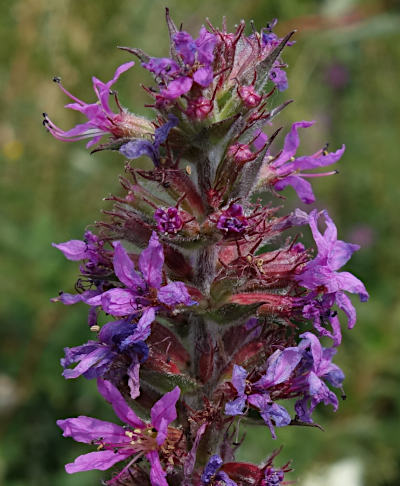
[[219, 287]]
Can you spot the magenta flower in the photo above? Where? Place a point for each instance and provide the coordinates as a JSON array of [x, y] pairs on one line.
[[119, 351], [280, 366], [233, 220], [321, 275], [286, 170], [317, 367], [116, 443], [143, 292], [168, 220], [196, 56], [101, 119]]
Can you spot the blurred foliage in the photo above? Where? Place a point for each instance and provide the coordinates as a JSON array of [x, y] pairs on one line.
[[343, 72]]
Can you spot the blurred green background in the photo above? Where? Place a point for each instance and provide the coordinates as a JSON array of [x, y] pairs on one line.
[[344, 72]]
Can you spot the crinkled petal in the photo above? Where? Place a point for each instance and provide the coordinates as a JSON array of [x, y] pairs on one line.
[[87, 429], [138, 148], [73, 250], [204, 76], [300, 185], [177, 87], [212, 466], [185, 46], [239, 375], [101, 460], [281, 365], [117, 302], [190, 460], [157, 474], [347, 307], [175, 293], [121, 408], [163, 413], [133, 378], [99, 355], [151, 262], [347, 281], [125, 269], [315, 347], [142, 330], [236, 407], [205, 44]]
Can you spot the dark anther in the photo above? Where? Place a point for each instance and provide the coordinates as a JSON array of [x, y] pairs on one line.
[[334, 314], [44, 114], [56, 79], [344, 396], [45, 122]]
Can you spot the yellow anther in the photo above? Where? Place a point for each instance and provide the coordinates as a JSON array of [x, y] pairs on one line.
[[260, 262], [95, 328], [132, 442], [292, 159], [128, 433], [324, 152], [100, 447], [137, 431], [170, 459], [249, 258], [188, 170]]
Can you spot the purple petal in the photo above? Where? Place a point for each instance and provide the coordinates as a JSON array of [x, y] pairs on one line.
[[350, 283], [143, 329], [346, 305], [279, 78], [157, 474], [185, 46], [260, 140], [300, 185], [226, 480], [163, 413], [204, 76], [68, 299], [73, 250], [281, 365], [88, 429], [175, 293], [162, 132], [315, 346], [101, 460], [133, 378], [94, 358], [137, 148], [124, 268], [190, 460], [235, 407], [151, 262], [205, 44], [291, 143], [161, 66], [103, 89], [312, 162], [239, 375], [212, 466], [117, 302], [302, 410], [177, 87], [121, 408]]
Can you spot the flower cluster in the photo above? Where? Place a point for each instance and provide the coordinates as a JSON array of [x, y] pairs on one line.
[[213, 312]]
